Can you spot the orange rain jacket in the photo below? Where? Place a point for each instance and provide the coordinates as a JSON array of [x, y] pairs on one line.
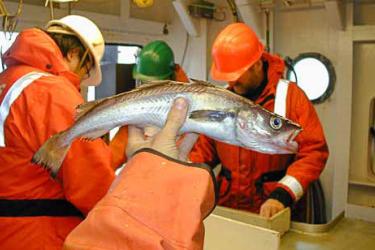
[[166, 213], [119, 142], [32, 213], [248, 177]]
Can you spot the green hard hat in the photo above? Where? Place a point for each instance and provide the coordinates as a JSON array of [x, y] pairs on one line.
[[155, 62]]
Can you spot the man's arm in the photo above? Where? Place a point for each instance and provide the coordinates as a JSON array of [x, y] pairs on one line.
[[86, 173], [158, 201], [311, 156]]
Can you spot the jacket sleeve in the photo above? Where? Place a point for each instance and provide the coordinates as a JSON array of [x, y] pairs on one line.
[[180, 74], [86, 173], [312, 152], [155, 203], [204, 151]]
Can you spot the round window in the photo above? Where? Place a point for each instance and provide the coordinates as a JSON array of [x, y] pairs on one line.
[[313, 73]]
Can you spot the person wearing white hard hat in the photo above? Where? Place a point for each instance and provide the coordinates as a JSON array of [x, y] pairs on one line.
[[45, 70]]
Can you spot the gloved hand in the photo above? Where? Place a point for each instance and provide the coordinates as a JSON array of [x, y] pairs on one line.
[[165, 140], [271, 207]]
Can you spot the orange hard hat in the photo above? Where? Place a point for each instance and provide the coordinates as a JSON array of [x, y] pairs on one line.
[[235, 50]]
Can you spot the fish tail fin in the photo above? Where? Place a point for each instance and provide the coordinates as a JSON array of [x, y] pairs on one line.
[[52, 153]]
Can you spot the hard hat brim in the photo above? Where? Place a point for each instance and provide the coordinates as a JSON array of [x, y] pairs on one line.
[[227, 76], [139, 76]]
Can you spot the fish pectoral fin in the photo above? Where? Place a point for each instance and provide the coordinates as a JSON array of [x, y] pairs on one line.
[[211, 115], [92, 135]]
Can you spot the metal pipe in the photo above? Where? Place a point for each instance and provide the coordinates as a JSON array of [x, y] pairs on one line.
[[267, 13], [51, 9]]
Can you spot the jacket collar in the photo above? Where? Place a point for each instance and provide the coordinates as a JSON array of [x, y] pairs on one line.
[[275, 72]]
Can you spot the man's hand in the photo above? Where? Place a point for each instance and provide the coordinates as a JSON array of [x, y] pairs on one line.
[[270, 208], [165, 140]]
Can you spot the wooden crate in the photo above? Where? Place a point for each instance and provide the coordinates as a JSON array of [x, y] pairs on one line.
[[280, 222], [233, 229]]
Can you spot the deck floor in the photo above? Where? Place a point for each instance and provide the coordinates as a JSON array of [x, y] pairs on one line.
[[348, 234]]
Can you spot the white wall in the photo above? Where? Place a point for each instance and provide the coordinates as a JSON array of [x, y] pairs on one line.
[[309, 30], [299, 31], [194, 48]]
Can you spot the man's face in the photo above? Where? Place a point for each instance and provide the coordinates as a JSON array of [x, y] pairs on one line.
[[78, 64], [84, 71], [249, 81]]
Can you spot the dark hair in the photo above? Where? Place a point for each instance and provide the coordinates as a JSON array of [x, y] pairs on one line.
[[68, 42]]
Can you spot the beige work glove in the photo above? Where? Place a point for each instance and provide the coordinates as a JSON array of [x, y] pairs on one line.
[[271, 207], [164, 141]]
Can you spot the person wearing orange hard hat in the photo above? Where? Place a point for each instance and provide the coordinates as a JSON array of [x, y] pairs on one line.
[[45, 70], [249, 180], [144, 208], [154, 62]]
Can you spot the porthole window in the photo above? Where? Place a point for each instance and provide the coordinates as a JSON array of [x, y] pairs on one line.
[[313, 73]]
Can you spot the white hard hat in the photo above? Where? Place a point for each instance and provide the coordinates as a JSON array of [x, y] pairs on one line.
[[91, 37]]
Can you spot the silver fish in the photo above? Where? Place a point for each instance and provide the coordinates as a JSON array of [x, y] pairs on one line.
[[213, 111]]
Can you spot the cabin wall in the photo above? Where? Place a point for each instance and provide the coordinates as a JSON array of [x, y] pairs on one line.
[[361, 202], [298, 31]]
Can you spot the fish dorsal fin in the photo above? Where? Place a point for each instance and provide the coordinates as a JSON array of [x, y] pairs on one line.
[[195, 81], [212, 115], [150, 84], [83, 108]]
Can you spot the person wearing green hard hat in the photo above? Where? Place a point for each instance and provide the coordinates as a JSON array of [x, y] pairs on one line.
[[154, 62]]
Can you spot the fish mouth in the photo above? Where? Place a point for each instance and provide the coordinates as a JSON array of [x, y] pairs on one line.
[[290, 145], [293, 147], [292, 136], [280, 148]]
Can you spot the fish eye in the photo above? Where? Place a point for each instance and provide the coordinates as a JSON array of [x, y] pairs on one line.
[[276, 122]]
